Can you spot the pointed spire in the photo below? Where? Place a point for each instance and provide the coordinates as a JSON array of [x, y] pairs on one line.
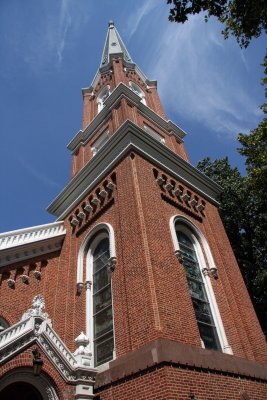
[[114, 46]]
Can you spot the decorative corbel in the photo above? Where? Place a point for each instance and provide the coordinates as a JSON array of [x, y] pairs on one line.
[[81, 215], [193, 203], [186, 197], [205, 271], [169, 187], [37, 274], [214, 272], [179, 255], [95, 201], [11, 283], [201, 207], [74, 222], [178, 192], [24, 278], [112, 264], [103, 193], [79, 287], [160, 181], [87, 208], [88, 285]]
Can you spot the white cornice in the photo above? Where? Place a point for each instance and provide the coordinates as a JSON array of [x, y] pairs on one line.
[[30, 242], [130, 137], [38, 330], [123, 91]]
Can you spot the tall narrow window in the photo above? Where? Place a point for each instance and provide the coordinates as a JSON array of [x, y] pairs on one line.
[[136, 89], [103, 138], [103, 337], [105, 92], [205, 321]]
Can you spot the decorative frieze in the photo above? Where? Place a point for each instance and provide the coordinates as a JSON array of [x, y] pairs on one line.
[[179, 196], [26, 273], [26, 243], [95, 203]]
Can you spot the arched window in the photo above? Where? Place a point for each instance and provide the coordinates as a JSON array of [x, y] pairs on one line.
[[205, 321], [3, 324], [136, 89], [105, 92], [193, 253], [99, 251]]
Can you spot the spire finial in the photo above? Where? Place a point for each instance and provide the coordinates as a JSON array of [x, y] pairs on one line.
[[114, 46]]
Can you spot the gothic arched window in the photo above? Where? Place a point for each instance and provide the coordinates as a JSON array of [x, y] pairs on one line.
[[136, 89], [205, 321], [193, 253], [105, 92], [99, 298]]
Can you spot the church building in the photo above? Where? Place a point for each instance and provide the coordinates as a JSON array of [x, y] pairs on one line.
[[134, 292]]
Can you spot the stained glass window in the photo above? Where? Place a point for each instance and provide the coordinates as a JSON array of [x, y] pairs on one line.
[[206, 326], [102, 304]]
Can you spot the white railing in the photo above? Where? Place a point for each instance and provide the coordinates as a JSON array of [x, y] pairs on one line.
[[15, 331], [58, 343], [28, 235]]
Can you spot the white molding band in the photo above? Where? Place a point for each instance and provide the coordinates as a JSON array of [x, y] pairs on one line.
[[200, 238], [130, 137], [22, 244], [99, 227], [123, 91]]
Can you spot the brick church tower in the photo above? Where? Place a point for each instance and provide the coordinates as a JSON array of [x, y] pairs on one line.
[[134, 292]]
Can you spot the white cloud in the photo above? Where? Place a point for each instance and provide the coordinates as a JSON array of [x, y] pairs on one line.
[[137, 16], [64, 25], [194, 81], [47, 41]]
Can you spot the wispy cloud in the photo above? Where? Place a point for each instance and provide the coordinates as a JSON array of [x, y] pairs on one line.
[[64, 25], [137, 15], [46, 43], [195, 84], [40, 176]]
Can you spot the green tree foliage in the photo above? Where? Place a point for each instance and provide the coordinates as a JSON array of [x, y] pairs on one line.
[[244, 19], [243, 212]]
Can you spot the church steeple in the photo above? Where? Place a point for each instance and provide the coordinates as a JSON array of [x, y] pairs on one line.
[[114, 47]]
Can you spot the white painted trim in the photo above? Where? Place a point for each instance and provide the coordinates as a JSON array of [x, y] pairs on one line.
[[131, 137], [195, 233], [27, 235], [80, 262], [136, 89], [123, 91], [100, 231], [102, 139], [22, 244]]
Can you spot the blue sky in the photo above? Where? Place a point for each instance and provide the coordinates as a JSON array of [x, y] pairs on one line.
[[50, 49]]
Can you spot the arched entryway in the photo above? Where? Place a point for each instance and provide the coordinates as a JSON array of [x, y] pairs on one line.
[[21, 384], [20, 391]]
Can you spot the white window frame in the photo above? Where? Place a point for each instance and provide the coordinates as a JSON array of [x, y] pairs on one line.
[[99, 232], [136, 89], [154, 134], [189, 229], [103, 138], [104, 93]]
